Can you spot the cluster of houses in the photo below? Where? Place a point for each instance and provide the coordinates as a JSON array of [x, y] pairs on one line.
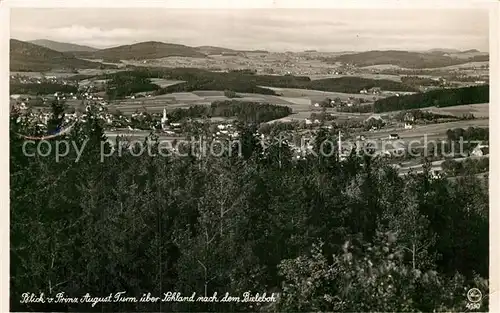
[[22, 79], [226, 131], [371, 91], [351, 101], [40, 118]]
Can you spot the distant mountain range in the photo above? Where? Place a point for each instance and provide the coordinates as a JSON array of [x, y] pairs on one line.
[[44, 55], [444, 50], [142, 51], [211, 50], [61, 46], [25, 56], [407, 59]]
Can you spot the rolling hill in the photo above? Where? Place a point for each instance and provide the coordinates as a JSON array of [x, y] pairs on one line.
[[404, 59], [444, 50], [142, 51], [211, 50], [25, 56], [62, 46]]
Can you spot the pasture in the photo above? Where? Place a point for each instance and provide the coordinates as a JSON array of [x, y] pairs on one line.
[[97, 72], [467, 65], [317, 94], [165, 82], [432, 131], [44, 74], [479, 110], [395, 78], [302, 106]]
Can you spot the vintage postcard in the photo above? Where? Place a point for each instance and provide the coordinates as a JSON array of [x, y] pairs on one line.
[[259, 158]]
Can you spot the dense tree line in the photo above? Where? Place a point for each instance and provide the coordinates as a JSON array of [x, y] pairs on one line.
[[230, 94], [326, 234], [421, 115], [124, 84], [250, 83], [479, 58], [322, 116], [278, 127], [242, 81], [249, 112], [463, 141], [365, 108], [405, 59], [418, 81], [471, 133], [351, 84], [460, 142], [439, 98], [468, 166], [252, 112], [43, 88]]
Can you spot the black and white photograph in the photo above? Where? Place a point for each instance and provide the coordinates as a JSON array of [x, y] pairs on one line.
[[249, 159]]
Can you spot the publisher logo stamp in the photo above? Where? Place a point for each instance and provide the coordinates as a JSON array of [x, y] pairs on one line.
[[474, 296]]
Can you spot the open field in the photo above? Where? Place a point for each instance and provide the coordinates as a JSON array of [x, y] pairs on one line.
[[44, 74], [95, 72], [208, 93], [296, 103], [432, 130], [157, 107], [382, 67], [119, 64], [466, 55], [186, 99], [307, 93], [466, 65], [480, 110], [165, 82], [395, 78]]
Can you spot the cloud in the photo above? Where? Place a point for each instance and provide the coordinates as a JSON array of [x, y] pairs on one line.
[[272, 29]]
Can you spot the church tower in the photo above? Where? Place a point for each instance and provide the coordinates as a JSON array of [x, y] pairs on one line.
[[164, 119]]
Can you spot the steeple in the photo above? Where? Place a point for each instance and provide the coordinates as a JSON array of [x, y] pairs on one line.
[[164, 119]]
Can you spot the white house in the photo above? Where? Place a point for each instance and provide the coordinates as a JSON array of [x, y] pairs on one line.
[[481, 150], [408, 126]]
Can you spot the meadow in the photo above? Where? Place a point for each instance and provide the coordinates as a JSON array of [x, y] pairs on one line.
[[479, 110]]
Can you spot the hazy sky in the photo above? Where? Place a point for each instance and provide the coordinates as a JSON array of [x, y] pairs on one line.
[[270, 29]]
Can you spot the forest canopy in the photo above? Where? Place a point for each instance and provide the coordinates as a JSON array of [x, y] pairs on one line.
[[439, 98], [323, 233]]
